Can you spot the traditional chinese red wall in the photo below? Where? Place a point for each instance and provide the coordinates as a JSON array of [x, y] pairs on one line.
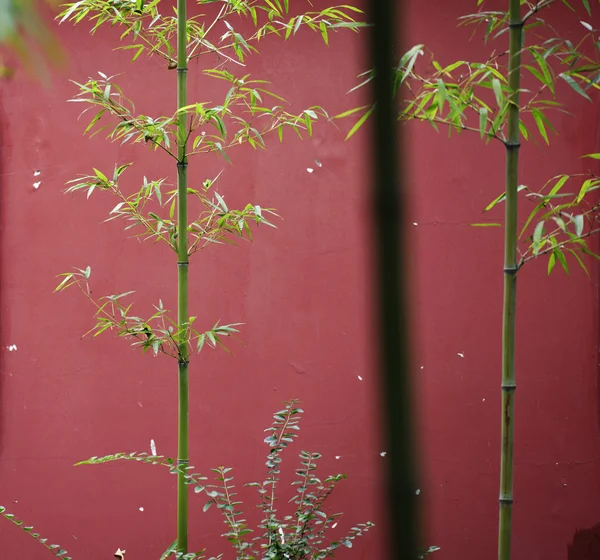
[[302, 292]]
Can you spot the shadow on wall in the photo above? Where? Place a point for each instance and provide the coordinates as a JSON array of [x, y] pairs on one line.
[[586, 544]]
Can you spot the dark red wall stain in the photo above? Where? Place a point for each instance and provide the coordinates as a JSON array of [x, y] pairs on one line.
[[302, 291]]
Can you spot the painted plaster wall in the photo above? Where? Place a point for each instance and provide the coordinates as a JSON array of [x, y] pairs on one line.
[[302, 292]]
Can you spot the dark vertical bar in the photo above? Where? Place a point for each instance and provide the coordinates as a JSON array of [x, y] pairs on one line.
[[391, 267]]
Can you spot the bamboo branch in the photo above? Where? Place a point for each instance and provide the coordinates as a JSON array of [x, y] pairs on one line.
[[525, 259], [540, 5]]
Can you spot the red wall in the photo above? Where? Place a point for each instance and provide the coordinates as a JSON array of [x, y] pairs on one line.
[[302, 291]]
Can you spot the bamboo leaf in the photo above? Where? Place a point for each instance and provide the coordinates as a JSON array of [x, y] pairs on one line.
[[100, 175], [441, 94], [537, 237], [357, 109], [563, 261], [539, 121], [586, 5], [323, 29], [497, 87], [551, 262], [575, 86], [483, 115], [578, 221], [547, 77], [578, 259], [359, 123], [559, 184], [587, 184], [523, 129], [500, 198]]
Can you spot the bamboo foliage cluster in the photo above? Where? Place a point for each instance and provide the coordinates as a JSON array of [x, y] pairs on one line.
[[242, 117], [476, 97]]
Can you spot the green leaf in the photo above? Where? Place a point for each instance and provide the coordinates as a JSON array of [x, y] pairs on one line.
[[497, 87], [537, 237], [547, 77], [358, 109], [578, 221], [581, 263], [359, 123], [485, 224], [539, 121], [587, 184], [207, 506], [323, 29], [559, 184], [586, 5], [483, 115], [551, 262], [576, 87], [100, 175], [563, 261]]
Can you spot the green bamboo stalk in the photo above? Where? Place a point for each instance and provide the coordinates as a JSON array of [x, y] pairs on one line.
[[510, 283], [182, 281]]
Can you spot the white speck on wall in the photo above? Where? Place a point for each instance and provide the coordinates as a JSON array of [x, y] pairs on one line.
[[37, 173], [310, 169], [417, 491], [422, 367], [415, 224], [153, 447], [37, 185], [461, 354], [141, 509], [383, 453], [339, 456], [482, 400], [334, 525], [319, 164], [140, 404], [359, 378], [12, 348]]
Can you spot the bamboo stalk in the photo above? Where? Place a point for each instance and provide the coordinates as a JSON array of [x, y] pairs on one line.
[[182, 282], [391, 271], [510, 283]]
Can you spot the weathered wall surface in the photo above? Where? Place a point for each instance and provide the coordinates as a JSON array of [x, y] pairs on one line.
[[302, 292]]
